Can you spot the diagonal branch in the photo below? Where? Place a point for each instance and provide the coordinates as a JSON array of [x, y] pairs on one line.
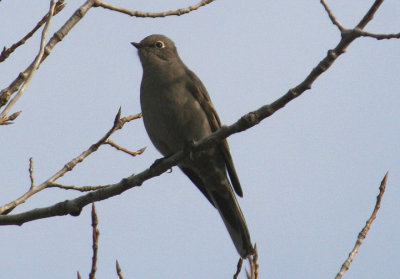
[[332, 16], [369, 15], [35, 63], [364, 231], [118, 124], [6, 93], [7, 51]]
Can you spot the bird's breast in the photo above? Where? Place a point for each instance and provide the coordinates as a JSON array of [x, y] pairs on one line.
[[171, 114]]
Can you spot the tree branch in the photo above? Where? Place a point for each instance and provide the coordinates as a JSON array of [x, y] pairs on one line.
[[95, 239], [34, 66], [369, 15], [120, 148], [118, 124], [7, 51], [6, 93], [332, 16], [100, 3], [364, 231]]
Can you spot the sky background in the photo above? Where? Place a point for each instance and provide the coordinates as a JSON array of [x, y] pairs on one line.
[[310, 173]]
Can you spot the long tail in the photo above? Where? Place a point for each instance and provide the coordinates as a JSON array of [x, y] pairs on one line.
[[233, 218]]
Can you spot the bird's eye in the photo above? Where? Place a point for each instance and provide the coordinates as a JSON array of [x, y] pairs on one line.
[[159, 44]]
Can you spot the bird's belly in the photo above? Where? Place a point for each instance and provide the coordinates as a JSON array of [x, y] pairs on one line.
[[173, 119]]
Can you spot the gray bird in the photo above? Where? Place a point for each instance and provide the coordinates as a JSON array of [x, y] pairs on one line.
[[177, 109]]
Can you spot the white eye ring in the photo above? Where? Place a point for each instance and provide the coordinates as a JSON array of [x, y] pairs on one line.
[[159, 44]]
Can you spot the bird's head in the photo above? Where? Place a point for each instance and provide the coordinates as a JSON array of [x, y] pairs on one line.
[[156, 48]]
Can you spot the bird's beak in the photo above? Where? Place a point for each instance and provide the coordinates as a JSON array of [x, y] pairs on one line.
[[137, 45]]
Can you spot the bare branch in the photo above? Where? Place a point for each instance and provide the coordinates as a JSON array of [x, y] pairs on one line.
[[80, 189], [7, 51], [95, 246], [120, 148], [78, 275], [365, 230], [253, 262], [35, 63], [119, 271], [238, 268], [369, 15], [332, 16], [118, 124], [6, 93], [361, 33], [31, 173], [100, 3]]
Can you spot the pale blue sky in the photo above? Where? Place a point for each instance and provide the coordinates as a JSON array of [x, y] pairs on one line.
[[310, 173]]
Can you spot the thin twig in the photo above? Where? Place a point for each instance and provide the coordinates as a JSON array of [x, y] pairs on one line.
[[95, 245], [238, 268], [118, 124], [80, 189], [120, 148], [35, 64], [7, 120], [7, 51], [377, 36], [332, 16], [253, 263], [31, 173], [6, 93], [100, 3], [364, 231], [78, 275], [119, 271]]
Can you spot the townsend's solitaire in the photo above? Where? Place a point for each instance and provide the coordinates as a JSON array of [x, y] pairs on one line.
[[176, 110]]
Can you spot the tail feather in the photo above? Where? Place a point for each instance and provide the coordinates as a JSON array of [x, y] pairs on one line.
[[233, 218]]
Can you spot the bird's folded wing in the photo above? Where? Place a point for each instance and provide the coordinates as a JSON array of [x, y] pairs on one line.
[[201, 95]]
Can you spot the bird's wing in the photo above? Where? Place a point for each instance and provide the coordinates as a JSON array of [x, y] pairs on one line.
[[199, 91], [198, 182]]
